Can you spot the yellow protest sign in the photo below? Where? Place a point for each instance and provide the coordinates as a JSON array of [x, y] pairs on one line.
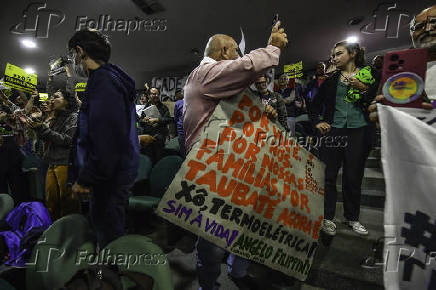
[[43, 97], [294, 70], [249, 188], [80, 87], [17, 78]]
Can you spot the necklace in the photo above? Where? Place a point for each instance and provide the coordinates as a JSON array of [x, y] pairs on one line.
[[350, 76]]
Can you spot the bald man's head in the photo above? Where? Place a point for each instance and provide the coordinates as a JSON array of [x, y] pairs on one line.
[[221, 47]]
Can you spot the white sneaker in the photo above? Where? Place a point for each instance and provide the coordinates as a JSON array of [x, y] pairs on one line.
[[328, 227], [358, 227]]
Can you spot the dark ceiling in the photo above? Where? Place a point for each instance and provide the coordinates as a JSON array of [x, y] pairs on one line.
[[312, 27]]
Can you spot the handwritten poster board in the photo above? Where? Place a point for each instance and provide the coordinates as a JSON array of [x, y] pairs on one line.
[[250, 189], [17, 78]]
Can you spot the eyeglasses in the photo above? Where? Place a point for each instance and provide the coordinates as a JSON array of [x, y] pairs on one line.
[[431, 20], [259, 83]]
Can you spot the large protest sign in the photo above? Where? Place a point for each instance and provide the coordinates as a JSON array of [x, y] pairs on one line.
[[16, 77], [249, 189], [409, 165]]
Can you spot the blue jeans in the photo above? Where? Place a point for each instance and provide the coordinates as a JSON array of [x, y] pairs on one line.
[[209, 257]]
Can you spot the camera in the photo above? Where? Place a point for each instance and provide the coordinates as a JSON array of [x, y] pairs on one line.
[[57, 66]]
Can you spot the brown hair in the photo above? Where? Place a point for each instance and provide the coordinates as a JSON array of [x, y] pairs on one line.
[[359, 59]]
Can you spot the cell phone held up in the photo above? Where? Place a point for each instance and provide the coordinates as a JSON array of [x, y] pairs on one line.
[[275, 19], [403, 77]]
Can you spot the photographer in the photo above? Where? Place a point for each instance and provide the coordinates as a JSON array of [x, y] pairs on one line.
[[58, 139]]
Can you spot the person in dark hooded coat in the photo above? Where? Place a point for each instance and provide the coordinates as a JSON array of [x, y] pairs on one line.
[[107, 151]]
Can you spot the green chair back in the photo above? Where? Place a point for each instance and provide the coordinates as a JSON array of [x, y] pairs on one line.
[[173, 144], [140, 255], [4, 285], [163, 174], [144, 168], [63, 249], [6, 205], [143, 203]]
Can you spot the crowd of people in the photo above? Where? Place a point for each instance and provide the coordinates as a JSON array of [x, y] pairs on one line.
[[87, 144]]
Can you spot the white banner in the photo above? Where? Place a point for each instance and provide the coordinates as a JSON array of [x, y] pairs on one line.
[[409, 164], [168, 85], [427, 116]]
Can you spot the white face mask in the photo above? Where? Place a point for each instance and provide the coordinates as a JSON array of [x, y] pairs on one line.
[[80, 71], [78, 68]]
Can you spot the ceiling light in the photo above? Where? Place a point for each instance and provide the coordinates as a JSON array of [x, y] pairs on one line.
[[28, 43], [352, 39], [29, 70]]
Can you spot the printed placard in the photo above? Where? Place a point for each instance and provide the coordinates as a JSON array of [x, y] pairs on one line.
[[80, 87], [17, 78], [294, 70]]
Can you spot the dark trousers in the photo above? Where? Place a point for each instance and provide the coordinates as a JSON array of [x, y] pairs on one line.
[[209, 258], [107, 212], [154, 150], [11, 173], [349, 149]]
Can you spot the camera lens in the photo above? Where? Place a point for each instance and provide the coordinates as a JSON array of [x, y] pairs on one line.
[[393, 67], [395, 57]]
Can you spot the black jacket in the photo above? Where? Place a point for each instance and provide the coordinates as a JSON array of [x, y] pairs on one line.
[[106, 146], [158, 130], [59, 138], [324, 102]]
